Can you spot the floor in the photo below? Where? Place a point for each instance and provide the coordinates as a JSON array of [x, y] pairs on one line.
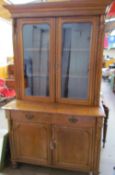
[[107, 161], [108, 153]]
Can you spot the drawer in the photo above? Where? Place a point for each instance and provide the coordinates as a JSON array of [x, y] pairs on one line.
[[24, 116], [74, 121]]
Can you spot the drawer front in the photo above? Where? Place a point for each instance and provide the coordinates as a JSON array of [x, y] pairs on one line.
[[28, 116], [76, 121], [68, 120]]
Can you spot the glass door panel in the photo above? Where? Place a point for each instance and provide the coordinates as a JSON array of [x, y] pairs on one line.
[[75, 60], [76, 53], [36, 55]]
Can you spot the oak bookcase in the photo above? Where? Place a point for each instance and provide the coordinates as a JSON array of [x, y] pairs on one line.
[[56, 119]]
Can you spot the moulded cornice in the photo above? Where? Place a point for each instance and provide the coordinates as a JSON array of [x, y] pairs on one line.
[[73, 7]]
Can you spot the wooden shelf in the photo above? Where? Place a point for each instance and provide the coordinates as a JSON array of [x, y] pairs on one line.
[[75, 76], [33, 76], [36, 49], [76, 50]]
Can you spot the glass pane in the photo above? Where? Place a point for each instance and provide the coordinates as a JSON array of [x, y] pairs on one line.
[[36, 57], [75, 60]]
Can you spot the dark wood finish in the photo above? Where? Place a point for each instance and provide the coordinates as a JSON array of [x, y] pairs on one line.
[[54, 134], [106, 110]]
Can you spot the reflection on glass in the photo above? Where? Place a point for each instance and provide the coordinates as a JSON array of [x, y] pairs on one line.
[[36, 55], [75, 60]]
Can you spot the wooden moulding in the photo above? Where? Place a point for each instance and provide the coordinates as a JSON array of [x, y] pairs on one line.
[[19, 105], [65, 8]]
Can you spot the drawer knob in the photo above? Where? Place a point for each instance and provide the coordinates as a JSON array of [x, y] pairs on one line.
[[29, 116], [73, 119]]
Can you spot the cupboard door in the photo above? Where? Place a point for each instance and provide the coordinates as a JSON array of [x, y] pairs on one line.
[[31, 142], [73, 147], [76, 53], [36, 40]]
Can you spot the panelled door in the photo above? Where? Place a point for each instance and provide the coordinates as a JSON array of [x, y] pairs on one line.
[[73, 147], [32, 142], [76, 53], [36, 38]]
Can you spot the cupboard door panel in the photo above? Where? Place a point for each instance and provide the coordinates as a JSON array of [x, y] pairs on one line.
[[32, 142], [37, 41], [76, 58], [73, 147]]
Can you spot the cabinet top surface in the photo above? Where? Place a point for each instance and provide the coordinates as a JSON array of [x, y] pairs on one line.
[[54, 8], [55, 108]]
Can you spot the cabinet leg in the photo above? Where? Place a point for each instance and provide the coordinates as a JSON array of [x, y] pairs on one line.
[[14, 164], [95, 173]]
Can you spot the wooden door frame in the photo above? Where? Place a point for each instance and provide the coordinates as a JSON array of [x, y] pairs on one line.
[[20, 60], [92, 62]]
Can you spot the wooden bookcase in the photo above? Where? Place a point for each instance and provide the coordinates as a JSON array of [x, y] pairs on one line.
[[56, 119]]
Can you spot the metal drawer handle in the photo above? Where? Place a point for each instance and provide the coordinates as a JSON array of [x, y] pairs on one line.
[[73, 119], [29, 116]]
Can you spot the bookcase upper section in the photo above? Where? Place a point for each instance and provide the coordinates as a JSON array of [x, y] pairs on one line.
[[58, 49]]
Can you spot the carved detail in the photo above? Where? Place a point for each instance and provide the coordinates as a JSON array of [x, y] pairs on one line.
[[99, 123]]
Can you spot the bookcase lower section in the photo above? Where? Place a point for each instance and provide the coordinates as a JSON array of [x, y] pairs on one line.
[[55, 140]]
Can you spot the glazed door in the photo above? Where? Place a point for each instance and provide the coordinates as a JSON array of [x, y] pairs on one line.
[[31, 142], [76, 54], [36, 38], [73, 147]]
